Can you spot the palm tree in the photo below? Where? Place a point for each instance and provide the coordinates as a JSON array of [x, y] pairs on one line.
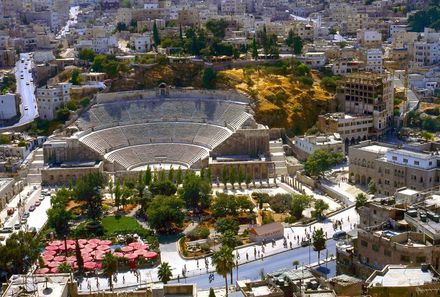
[[164, 272], [65, 268], [110, 266], [224, 263], [295, 263]]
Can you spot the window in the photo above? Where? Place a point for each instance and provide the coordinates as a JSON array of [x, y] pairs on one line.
[[375, 247], [405, 160], [364, 243], [416, 163]]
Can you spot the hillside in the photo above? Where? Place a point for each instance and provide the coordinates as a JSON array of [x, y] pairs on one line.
[[284, 97]]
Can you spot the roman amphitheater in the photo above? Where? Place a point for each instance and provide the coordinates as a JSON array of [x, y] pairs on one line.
[[125, 132]]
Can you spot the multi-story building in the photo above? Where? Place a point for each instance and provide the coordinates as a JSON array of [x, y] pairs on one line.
[[426, 53], [343, 66], [391, 167], [233, 6], [141, 42], [8, 106], [369, 38], [306, 145], [188, 17], [351, 128], [368, 94], [374, 60], [390, 233], [50, 99]]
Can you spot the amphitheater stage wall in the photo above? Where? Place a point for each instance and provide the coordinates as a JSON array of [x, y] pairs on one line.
[[67, 176], [256, 169], [172, 93], [67, 150], [252, 142]]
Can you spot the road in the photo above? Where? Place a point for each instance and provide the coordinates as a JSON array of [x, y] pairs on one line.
[[73, 18], [26, 89], [253, 270]]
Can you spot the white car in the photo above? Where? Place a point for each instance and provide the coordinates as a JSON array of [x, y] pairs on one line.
[[26, 108]]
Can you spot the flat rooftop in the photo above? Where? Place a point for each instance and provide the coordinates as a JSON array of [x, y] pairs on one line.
[[36, 285], [402, 276], [377, 149]]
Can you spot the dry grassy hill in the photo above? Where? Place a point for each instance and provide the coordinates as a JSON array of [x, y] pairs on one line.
[[282, 99]]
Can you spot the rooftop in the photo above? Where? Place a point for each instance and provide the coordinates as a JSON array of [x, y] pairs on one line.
[[377, 149], [401, 276], [48, 286]]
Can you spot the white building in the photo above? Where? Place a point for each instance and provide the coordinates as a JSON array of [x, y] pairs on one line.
[[141, 42], [426, 53], [50, 99], [374, 60], [314, 59], [8, 106], [412, 159], [304, 146], [369, 38], [233, 6]]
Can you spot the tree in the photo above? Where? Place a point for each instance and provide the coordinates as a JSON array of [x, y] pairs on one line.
[[164, 272], [148, 176], [196, 192], [224, 205], [156, 38], [217, 27], [361, 200], [371, 187], [88, 189], [224, 263], [232, 176], [294, 42], [109, 266], [295, 263], [63, 114], [118, 194], [79, 258], [241, 175], [144, 200], [208, 78], [75, 78], [299, 203], [318, 239], [58, 218], [211, 292], [225, 176], [229, 239], [171, 174], [179, 176], [64, 268], [254, 49], [244, 204], [18, 253], [320, 161], [227, 224], [164, 212], [87, 54], [320, 207], [163, 187], [425, 18]]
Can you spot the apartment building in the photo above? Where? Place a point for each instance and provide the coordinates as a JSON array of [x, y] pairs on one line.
[[368, 94], [343, 66], [369, 38], [306, 145], [351, 128], [374, 60], [391, 167], [50, 99], [233, 7], [426, 53], [8, 106], [141, 42]]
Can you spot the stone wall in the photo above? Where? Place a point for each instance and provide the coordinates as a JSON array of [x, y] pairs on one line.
[[66, 176], [68, 149], [252, 142]]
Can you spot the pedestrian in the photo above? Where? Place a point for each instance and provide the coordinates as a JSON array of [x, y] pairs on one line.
[[123, 279], [247, 257], [178, 278], [197, 263]]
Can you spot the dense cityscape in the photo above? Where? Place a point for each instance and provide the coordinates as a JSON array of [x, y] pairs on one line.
[[243, 148]]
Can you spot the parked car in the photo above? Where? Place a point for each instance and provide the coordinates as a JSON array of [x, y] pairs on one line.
[[339, 235], [10, 211], [305, 243], [37, 203], [6, 230], [23, 221], [32, 208], [17, 226], [26, 215], [41, 197]]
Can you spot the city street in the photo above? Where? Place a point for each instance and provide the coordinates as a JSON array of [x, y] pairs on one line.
[[26, 89]]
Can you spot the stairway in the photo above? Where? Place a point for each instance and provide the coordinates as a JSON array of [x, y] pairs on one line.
[[278, 156], [37, 163]]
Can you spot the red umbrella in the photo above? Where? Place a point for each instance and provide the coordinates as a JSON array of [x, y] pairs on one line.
[[105, 242], [150, 255], [47, 257], [98, 265], [82, 241], [42, 271], [90, 265], [52, 248], [138, 246], [94, 241], [69, 247], [127, 249], [70, 242], [54, 270], [71, 258], [86, 250], [60, 258], [99, 257], [118, 254], [56, 242], [87, 259], [103, 247], [131, 256], [51, 253], [91, 246], [53, 264]]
